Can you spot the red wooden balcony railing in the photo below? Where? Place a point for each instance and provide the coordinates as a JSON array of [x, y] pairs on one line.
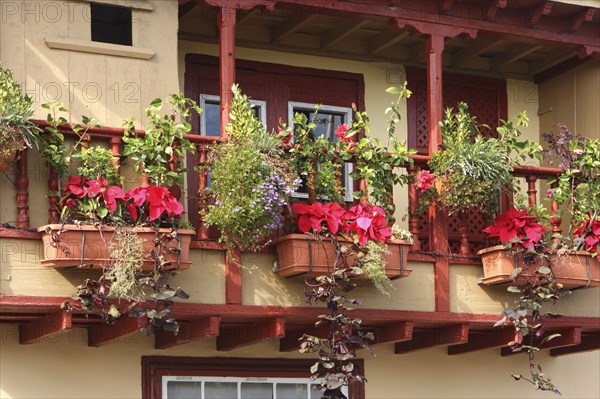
[[463, 240]]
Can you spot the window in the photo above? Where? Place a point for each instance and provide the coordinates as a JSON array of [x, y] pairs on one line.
[[174, 377], [328, 118], [210, 119], [177, 387], [111, 24]]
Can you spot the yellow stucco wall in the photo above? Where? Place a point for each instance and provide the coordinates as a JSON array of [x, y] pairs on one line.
[[65, 367]]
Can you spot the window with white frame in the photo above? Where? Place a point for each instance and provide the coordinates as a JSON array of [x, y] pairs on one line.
[[327, 119], [210, 119], [179, 387]]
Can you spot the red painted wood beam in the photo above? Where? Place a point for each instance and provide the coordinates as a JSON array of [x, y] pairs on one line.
[[449, 335], [543, 9], [493, 7], [226, 22], [108, 333], [252, 334], [589, 342], [233, 277], [291, 342], [194, 330], [484, 340], [568, 337], [577, 21], [46, 326], [398, 332], [438, 232]]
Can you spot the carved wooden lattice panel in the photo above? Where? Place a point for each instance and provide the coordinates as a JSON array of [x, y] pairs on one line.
[[487, 100]]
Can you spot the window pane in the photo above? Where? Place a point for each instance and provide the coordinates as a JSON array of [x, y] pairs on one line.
[[315, 393], [257, 391], [111, 24], [291, 391], [220, 390], [212, 115], [184, 390]]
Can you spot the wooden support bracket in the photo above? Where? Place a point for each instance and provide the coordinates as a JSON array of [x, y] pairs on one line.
[[568, 337], [108, 333], [194, 330], [589, 342], [484, 340], [450, 335], [577, 21], [46, 326], [543, 9], [398, 332], [252, 334], [492, 8]]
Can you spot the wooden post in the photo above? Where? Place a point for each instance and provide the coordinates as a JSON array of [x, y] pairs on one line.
[[53, 196], [115, 146], [413, 217], [202, 179], [531, 190], [226, 23], [22, 191], [438, 232]]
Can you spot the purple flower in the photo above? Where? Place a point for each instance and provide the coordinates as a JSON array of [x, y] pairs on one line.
[[549, 193], [578, 151]]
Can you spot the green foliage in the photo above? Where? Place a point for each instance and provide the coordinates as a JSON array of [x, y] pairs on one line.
[[98, 161], [17, 132], [251, 180], [159, 153], [377, 163], [373, 266], [471, 169], [127, 256]]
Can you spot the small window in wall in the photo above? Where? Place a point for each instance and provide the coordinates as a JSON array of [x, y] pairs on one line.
[[174, 387], [327, 119], [111, 24], [210, 119]]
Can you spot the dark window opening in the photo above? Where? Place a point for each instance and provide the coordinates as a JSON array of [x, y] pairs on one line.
[[111, 24]]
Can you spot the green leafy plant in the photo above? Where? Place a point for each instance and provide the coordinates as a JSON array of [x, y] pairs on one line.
[[159, 152], [471, 169], [17, 132], [251, 180], [98, 161]]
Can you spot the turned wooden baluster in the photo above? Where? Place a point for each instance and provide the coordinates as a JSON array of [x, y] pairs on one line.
[[53, 196], [531, 180], [202, 182], [555, 221], [362, 184], [115, 146], [339, 182], [175, 189], [22, 191], [465, 247], [311, 181], [413, 205]]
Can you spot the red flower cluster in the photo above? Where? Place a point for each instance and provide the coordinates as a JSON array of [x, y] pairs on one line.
[[81, 187], [424, 180], [157, 199], [342, 133], [366, 222], [514, 223], [590, 232]]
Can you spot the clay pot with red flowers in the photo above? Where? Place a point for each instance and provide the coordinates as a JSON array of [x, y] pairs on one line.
[[327, 231]]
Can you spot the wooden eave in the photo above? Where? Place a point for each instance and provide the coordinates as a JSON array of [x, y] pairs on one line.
[[235, 326], [518, 39]]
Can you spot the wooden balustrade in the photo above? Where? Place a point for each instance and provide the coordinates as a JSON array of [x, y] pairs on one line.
[[113, 136]]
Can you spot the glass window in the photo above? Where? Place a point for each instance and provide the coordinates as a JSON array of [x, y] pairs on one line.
[[111, 24], [328, 118], [239, 388], [210, 119]]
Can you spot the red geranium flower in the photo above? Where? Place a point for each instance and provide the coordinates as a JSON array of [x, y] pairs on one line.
[[341, 133], [313, 216], [76, 186], [368, 222], [514, 223], [424, 180]]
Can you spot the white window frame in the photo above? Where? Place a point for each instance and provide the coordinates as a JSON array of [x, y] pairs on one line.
[[239, 380], [204, 98], [347, 113]]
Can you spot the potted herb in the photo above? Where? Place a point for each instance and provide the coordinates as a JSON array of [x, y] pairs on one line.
[[470, 170], [17, 132]]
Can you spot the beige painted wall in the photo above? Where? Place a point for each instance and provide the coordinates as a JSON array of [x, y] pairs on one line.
[[65, 367]]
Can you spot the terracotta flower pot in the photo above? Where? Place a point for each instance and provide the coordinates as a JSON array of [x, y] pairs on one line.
[[576, 270], [300, 255], [7, 162], [88, 245]]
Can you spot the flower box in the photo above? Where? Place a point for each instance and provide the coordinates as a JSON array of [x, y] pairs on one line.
[[575, 270], [88, 245], [300, 255]]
